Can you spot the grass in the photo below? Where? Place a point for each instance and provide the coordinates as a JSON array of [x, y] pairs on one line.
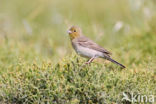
[[37, 64]]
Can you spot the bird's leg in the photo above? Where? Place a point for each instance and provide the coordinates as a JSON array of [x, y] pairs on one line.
[[90, 60]]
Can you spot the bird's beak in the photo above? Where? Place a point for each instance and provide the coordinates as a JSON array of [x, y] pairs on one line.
[[69, 32]]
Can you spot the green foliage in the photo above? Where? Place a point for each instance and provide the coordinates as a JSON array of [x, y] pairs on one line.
[[37, 64], [69, 82]]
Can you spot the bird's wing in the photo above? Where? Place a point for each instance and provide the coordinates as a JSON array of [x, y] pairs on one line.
[[85, 42]]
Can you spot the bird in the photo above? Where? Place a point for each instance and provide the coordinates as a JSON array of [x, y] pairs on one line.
[[87, 48]]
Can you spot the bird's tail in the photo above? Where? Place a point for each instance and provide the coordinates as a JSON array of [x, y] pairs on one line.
[[110, 59]]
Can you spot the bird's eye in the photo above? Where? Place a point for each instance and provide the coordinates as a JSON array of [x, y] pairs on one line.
[[74, 30]]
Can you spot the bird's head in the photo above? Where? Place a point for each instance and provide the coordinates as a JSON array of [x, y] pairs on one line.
[[74, 32]]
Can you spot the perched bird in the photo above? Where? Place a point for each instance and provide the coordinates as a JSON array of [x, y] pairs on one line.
[[87, 48]]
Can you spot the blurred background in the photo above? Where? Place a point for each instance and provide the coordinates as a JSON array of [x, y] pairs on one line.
[[36, 29], [38, 64]]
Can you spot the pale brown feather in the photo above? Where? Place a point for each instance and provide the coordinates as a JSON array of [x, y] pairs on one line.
[[85, 42]]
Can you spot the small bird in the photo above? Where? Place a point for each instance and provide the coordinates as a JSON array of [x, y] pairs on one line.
[[87, 48]]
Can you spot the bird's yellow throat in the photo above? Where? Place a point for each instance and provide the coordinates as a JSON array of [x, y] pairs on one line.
[[74, 35]]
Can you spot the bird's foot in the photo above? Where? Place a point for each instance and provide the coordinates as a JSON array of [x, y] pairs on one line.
[[87, 63]]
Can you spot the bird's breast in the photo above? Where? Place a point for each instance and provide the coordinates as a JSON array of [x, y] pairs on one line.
[[86, 52]]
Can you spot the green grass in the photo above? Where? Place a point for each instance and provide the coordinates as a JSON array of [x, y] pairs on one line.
[[38, 65]]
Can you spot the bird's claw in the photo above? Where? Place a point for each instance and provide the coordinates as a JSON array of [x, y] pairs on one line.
[[87, 63]]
